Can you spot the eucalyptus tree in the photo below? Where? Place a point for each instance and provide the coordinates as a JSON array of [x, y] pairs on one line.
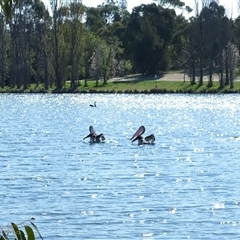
[[112, 49], [101, 17], [188, 48], [21, 54], [40, 43], [224, 43], [211, 15], [91, 42], [59, 45], [94, 19], [109, 62], [232, 50], [196, 36], [24, 23], [114, 35], [75, 35], [27, 42], [149, 31], [7, 7], [170, 3], [48, 57], [195, 50], [174, 4], [100, 57], [117, 40], [4, 48], [122, 6], [184, 50], [237, 31], [179, 41], [106, 23]]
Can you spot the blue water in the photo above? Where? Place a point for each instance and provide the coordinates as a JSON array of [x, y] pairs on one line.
[[186, 186]]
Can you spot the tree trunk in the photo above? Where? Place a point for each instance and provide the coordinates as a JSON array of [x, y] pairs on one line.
[[193, 78]]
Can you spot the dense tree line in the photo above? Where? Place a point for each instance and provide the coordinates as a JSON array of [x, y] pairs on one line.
[[71, 41]]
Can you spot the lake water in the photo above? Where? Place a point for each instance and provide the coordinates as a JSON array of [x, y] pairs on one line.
[[186, 186]]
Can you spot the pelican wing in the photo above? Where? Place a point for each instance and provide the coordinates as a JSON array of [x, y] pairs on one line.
[[89, 135], [139, 132]]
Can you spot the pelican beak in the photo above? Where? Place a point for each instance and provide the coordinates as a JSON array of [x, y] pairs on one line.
[[136, 138], [139, 132]]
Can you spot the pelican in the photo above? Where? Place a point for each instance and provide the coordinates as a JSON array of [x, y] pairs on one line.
[[93, 105], [141, 140], [94, 138]]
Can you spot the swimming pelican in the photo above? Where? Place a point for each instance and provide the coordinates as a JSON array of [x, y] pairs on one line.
[[94, 138], [93, 105], [141, 140]]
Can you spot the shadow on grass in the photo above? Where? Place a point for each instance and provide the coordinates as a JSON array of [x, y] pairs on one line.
[[136, 78]]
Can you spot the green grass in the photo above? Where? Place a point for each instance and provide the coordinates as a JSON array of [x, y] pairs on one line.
[[133, 86], [153, 86]]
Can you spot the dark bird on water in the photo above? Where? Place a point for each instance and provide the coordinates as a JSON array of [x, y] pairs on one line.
[[142, 140], [94, 138], [93, 105]]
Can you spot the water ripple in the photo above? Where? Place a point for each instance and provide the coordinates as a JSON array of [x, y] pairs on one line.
[[183, 187]]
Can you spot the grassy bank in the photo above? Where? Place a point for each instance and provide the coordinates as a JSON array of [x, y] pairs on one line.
[[132, 86]]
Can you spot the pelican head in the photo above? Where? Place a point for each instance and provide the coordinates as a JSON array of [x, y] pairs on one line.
[[100, 138], [150, 139]]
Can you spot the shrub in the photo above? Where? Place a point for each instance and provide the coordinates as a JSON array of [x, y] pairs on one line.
[[135, 91], [20, 234], [93, 91]]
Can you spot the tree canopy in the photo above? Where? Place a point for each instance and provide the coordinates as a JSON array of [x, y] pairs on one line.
[[72, 42]]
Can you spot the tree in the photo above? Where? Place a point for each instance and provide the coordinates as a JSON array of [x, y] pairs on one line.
[[7, 7], [75, 33], [19, 31], [210, 18], [184, 50], [149, 33], [40, 30], [122, 6], [91, 42], [59, 44], [173, 4], [4, 48], [101, 17]]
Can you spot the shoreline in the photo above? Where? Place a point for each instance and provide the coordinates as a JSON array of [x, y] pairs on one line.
[[165, 83]]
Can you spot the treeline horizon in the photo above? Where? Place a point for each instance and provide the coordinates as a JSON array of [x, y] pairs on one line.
[[72, 42]]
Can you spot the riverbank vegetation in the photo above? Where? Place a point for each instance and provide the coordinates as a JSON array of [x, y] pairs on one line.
[[146, 86], [48, 49], [22, 231]]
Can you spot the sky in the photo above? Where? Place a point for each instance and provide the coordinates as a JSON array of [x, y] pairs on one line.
[[229, 5]]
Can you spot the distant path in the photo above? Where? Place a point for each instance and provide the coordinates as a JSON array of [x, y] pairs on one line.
[[178, 76]]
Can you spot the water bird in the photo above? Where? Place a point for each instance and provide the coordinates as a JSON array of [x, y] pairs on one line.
[[93, 105], [142, 140], [94, 138]]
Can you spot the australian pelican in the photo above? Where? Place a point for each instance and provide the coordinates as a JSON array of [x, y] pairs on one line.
[[94, 138], [142, 140]]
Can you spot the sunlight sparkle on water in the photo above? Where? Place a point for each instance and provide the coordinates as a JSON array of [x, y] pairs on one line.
[[185, 184]]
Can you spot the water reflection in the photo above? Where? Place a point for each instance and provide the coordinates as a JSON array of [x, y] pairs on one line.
[[184, 186]]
